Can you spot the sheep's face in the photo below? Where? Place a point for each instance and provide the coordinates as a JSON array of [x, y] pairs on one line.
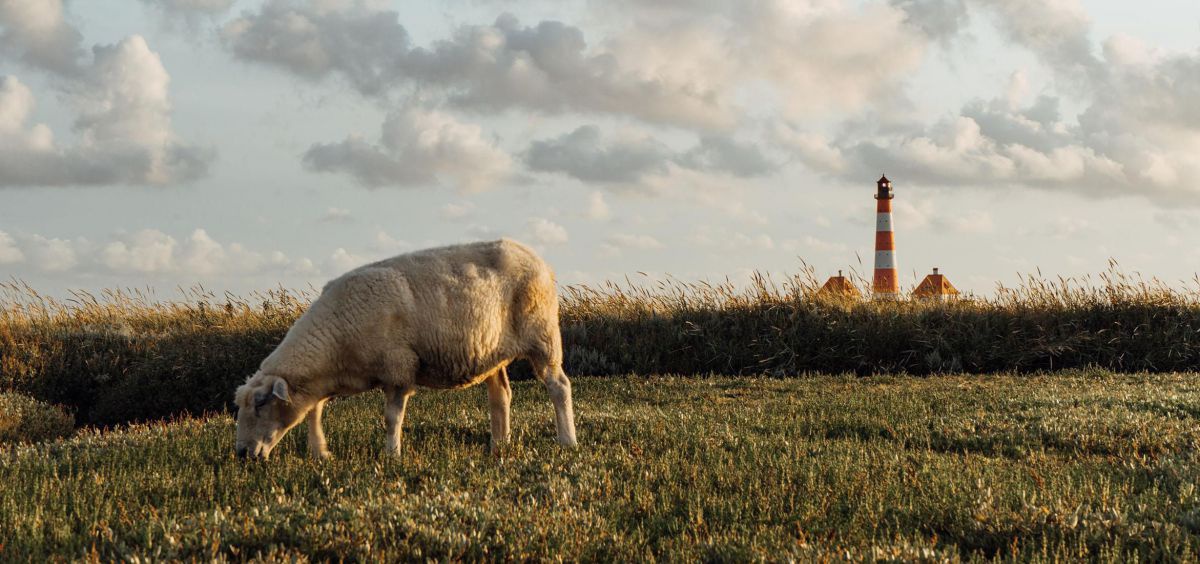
[[265, 414]]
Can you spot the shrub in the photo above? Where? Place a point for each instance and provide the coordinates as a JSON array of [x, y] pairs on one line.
[[26, 420]]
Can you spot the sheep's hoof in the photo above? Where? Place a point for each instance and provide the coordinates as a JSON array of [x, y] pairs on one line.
[[567, 442], [322, 455]]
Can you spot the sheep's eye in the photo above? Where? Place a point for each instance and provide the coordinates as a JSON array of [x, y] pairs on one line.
[[259, 401]]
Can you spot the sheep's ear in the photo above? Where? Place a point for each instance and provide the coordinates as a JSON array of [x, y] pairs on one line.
[[280, 390]]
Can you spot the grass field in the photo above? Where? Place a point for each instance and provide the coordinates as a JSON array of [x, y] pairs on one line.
[[1055, 467]]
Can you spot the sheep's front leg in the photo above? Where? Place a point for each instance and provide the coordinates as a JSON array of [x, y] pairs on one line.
[[317, 447], [499, 400], [397, 401]]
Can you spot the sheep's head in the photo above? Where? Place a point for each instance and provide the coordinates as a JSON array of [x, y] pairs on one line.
[[265, 413]]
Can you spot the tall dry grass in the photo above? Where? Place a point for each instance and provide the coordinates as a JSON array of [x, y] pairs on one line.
[[127, 355]]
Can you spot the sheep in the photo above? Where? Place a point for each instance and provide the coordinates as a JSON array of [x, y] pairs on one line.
[[445, 318]]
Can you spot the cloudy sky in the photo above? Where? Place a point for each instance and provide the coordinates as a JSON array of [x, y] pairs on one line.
[[242, 145]]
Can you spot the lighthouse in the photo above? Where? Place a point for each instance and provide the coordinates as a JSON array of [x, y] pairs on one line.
[[886, 285]]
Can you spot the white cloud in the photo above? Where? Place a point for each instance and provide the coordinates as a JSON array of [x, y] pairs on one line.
[[37, 33], [148, 252], [680, 64], [386, 245], [1137, 134], [343, 261], [9, 252], [123, 127], [799, 51], [616, 244], [417, 147], [597, 208], [52, 255], [1055, 30], [545, 232]]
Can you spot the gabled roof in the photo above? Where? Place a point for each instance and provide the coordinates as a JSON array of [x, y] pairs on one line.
[[935, 285], [839, 286]]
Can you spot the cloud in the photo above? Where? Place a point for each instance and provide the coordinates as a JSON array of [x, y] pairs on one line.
[[145, 251], [585, 154], [547, 67], [597, 208], [52, 254], [315, 39], [122, 105], [148, 252], [726, 154], [545, 232], [989, 144], [1055, 30], [343, 261], [386, 245], [416, 148], [191, 8], [942, 20], [1137, 134], [9, 252], [803, 49], [798, 51], [36, 33], [191, 16], [684, 65], [615, 245]]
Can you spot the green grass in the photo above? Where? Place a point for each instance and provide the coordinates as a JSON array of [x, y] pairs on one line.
[[1058, 467]]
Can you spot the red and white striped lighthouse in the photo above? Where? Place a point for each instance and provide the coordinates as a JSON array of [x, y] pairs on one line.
[[886, 283]]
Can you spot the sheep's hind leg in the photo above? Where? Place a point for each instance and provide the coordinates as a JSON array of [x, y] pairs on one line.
[[397, 401], [317, 447], [559, 388], [499, 401]]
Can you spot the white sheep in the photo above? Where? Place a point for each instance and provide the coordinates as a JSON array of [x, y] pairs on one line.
[[449, 317]]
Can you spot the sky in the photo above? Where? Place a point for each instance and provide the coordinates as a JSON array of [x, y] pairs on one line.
[[246, 145]]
